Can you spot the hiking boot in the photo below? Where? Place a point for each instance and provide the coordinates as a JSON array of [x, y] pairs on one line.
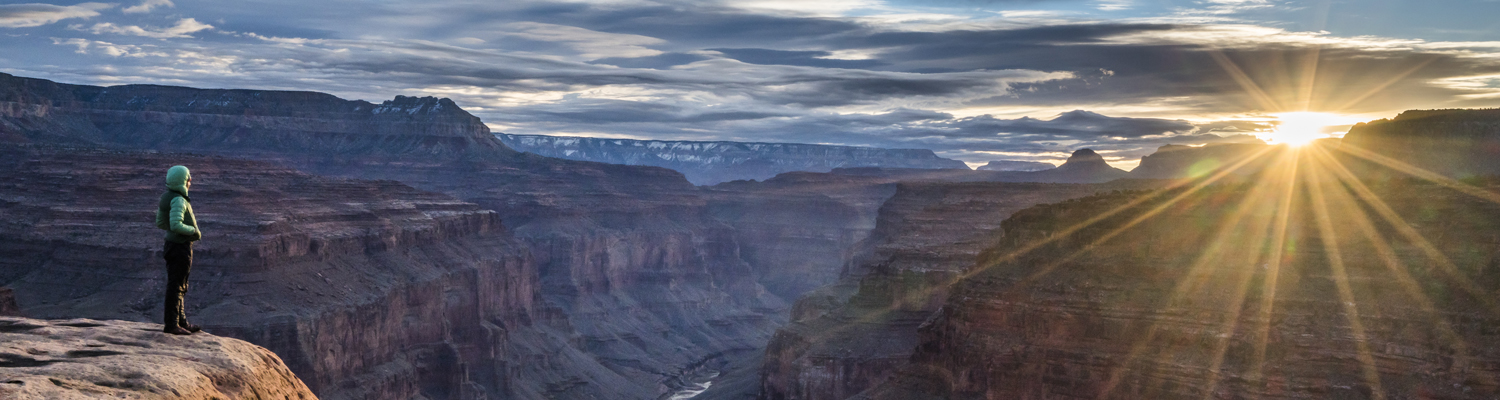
[[176, 330], [192, 328]]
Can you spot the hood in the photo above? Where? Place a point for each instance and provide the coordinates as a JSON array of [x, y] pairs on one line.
[[177, 179]]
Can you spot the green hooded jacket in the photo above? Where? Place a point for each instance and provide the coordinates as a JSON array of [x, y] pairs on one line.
[[174, 213]]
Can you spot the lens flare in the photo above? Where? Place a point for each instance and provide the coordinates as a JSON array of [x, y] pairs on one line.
[[1301, 128]]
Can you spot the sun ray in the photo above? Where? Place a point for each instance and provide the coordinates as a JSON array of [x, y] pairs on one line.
[[1185, 194], [1243, 273], [1197, 185], [1392, 262], [1409, 233], [1309, 78], [1182, 288], [1420, 173], [1273, 270], [1032, 246], [1200, 184], [1381, 86], [1267, 103], [1331, 250]]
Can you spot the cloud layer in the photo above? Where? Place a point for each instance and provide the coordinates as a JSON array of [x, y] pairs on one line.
[[36, 14], [979, 82]]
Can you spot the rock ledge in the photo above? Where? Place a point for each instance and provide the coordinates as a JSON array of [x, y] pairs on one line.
[[90, 359]]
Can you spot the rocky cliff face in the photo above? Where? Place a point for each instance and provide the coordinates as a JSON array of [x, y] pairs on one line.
[[1209, 299], [248, 122], [1454, 143], [1177, 162], [602, 266], [82, 358], [366, 289], [848, 337], [707, 163]]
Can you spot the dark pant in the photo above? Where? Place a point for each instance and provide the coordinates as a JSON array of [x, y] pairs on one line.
[[179, 262]]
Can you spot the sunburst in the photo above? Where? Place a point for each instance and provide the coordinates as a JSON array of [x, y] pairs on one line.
[[1303, 127]]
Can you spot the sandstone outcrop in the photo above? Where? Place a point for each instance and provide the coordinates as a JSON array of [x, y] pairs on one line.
[[708, 163], [90, 359], [1211, 299]]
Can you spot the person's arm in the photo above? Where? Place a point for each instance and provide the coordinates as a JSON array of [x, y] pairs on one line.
[[161, 220], [178, 207]]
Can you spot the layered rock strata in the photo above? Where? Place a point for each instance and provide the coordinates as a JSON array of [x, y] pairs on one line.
[[82, 358], [366, 289], [1213, 297]]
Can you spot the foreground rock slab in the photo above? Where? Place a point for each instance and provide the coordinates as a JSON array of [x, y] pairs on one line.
[[91, 359]]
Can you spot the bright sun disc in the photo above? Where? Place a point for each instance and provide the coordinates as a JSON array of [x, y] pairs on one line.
[[1301, 128]]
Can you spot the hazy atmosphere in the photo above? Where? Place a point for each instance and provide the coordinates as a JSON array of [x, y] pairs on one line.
[[972, 80]]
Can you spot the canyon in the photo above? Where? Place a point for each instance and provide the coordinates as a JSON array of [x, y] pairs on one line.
[[386, 251], [402, 250], [911, 326]]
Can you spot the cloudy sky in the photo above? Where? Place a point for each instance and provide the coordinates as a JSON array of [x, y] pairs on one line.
[[973, 80]]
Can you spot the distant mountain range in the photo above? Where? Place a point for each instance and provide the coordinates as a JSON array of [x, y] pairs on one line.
[[1009, 165], [707, 163]]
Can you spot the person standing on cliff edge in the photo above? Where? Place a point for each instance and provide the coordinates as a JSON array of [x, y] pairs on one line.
[[174, 213]]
